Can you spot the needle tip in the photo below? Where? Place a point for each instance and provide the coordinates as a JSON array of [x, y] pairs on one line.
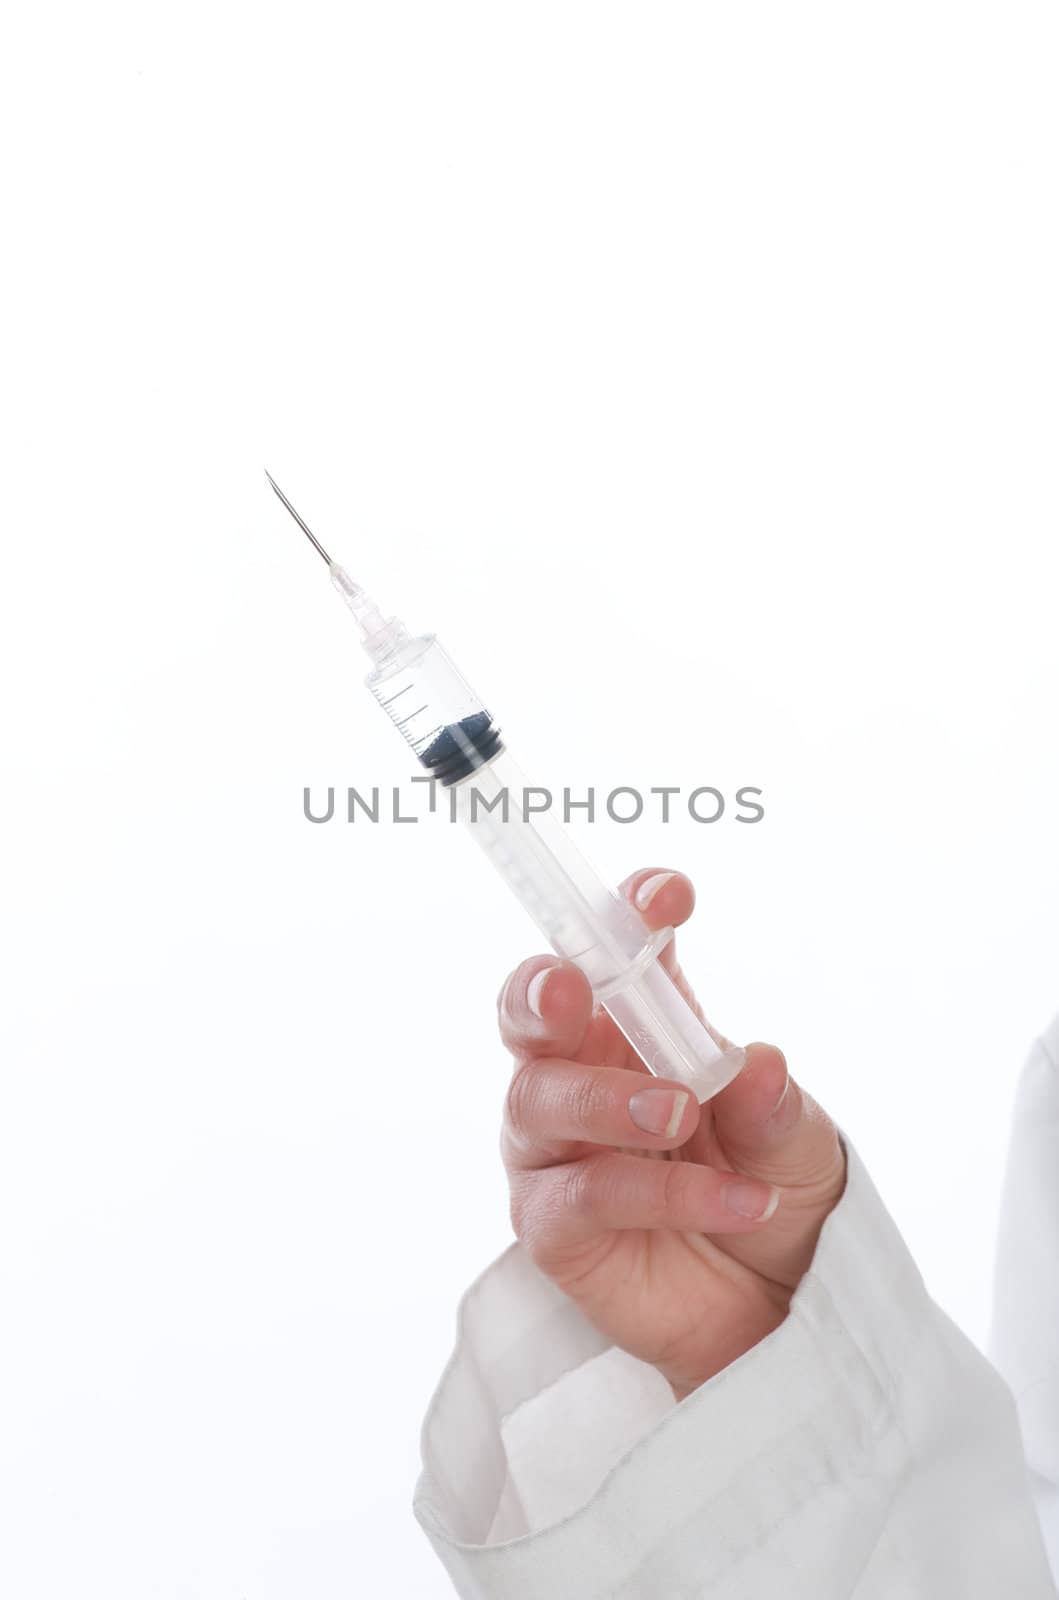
[[304, 526]]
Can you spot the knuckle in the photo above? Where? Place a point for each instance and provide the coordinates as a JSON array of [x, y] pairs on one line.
[[583, 1186], [830, 1153], [588, 1100], [508, 988], [519, 1191], [675, 1189], [556, 1101], [538, 1208], [522, 1101]]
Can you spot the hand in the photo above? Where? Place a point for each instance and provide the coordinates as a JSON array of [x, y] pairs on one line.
[[680, 1230]]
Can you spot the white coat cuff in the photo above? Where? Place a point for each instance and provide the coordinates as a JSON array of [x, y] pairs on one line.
[[553, 1465]]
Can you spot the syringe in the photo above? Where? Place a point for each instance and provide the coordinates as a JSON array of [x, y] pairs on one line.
[[458, 743]]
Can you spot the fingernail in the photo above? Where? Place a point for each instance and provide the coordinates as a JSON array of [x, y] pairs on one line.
[[649, 888], [535, 991], [751, 1199], [658, 1110]]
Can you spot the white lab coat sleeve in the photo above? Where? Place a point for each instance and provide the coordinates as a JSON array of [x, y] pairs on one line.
[[863, 1449], [1025, 1337]]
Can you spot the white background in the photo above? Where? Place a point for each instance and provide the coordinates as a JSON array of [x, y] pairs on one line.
[[692, 368]]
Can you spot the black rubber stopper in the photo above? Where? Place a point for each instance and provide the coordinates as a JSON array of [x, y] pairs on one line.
[[461, 747]]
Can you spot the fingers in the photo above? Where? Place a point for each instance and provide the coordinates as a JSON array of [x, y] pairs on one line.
[[769, 1127], [554, 1108], [565, 1205], [544, 1008], [665, 899]]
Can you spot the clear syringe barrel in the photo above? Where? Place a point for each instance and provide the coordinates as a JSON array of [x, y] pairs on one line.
[[457, 741]]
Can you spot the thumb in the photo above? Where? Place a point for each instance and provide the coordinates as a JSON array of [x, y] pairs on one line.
[[770, 1128]]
